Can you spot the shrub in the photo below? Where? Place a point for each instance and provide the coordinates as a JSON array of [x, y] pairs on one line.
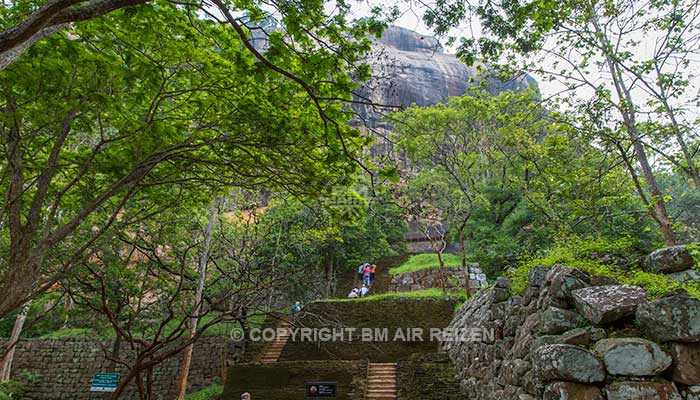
[[586, 255]]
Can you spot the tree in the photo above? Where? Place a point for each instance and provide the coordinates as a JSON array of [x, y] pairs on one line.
[[119, 111], [508, 178], [596, 52]]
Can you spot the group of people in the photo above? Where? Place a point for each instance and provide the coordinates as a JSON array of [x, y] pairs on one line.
[[365, 274]]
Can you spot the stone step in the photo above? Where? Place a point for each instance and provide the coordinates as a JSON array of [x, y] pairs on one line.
[[381, 381]]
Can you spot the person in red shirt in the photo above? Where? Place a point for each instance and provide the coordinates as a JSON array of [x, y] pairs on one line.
[[372, 271]]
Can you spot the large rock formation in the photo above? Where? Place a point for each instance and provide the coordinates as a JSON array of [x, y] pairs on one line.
[[410, 68]]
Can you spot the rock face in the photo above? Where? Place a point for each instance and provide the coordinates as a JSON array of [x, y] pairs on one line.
[[606, 304], [669, 259], [414, 69], [642, 391], [686, 363], [675, 318], [632, 356], [568, 363]]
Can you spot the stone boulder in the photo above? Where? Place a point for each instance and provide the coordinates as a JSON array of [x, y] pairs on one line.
[[691, 393], [675, 318], [606, 304], [563, 362], [642, 391], [686, 363], [564, 280], [554, 321], [669, 259], [571, 391], [685, 276], [632, 356]]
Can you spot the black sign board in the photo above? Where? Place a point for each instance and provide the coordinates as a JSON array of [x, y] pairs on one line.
[[321, 390]]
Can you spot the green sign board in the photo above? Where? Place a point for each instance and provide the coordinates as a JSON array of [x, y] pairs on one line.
[[104, 382]]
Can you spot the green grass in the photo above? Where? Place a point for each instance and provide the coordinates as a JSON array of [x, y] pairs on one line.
[[418, 294], [425, 261], [207, 393]]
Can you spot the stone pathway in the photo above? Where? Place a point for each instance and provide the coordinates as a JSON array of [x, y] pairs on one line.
[[381, 382], [274, 350]]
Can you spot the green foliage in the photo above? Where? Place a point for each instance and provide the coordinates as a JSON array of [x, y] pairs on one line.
[[11, 390], [210, 393], [586, 255], [508, 178], [426, 261]]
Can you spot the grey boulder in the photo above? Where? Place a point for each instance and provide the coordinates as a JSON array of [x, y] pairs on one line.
[[632, 356], [675, 318], [563, 362], [669, 259], [606, 304], [642, 391]]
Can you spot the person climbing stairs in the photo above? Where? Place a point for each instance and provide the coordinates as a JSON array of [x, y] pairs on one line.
[[381, 381], [274, 349]]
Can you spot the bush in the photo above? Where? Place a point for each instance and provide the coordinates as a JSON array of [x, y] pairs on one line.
[[587, 255], [11, 390], [213, 392]]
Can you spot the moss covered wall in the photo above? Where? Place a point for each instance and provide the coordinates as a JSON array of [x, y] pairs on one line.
[[392, 314], [285, 380], [427, 377]]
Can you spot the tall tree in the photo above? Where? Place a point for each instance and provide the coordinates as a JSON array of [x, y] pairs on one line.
[[601, 55], [119, 111]]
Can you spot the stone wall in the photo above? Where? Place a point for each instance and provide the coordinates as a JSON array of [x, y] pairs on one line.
[[455, 278], [392, 314], [54, 369], [567, 338], [427, 377], [285, 380]]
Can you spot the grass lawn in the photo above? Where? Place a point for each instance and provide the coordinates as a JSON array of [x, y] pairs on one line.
[[418, 294], [207, 393], [425, 261]]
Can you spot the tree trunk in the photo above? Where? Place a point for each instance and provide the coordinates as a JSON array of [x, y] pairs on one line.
[[6, 365], [329, 275], [464, 260], [628, 113], [194, 320]]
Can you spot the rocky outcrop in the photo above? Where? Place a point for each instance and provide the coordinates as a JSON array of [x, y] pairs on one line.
[[411, 68], [538, 352]]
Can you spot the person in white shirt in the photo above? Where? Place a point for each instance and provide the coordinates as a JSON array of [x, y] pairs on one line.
[[364, 291]]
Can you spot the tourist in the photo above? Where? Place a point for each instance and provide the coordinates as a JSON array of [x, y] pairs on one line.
[[365, 274], [360, 271], [354, 293], [373, 270], [245, 396], [364, 291], [296, 309]]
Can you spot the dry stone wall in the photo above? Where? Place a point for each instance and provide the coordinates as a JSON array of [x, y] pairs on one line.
[[53, 369], [566, 338], [455, 278]]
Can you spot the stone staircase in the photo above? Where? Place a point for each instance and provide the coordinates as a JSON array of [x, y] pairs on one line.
[[381, 381], [274, 350]]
